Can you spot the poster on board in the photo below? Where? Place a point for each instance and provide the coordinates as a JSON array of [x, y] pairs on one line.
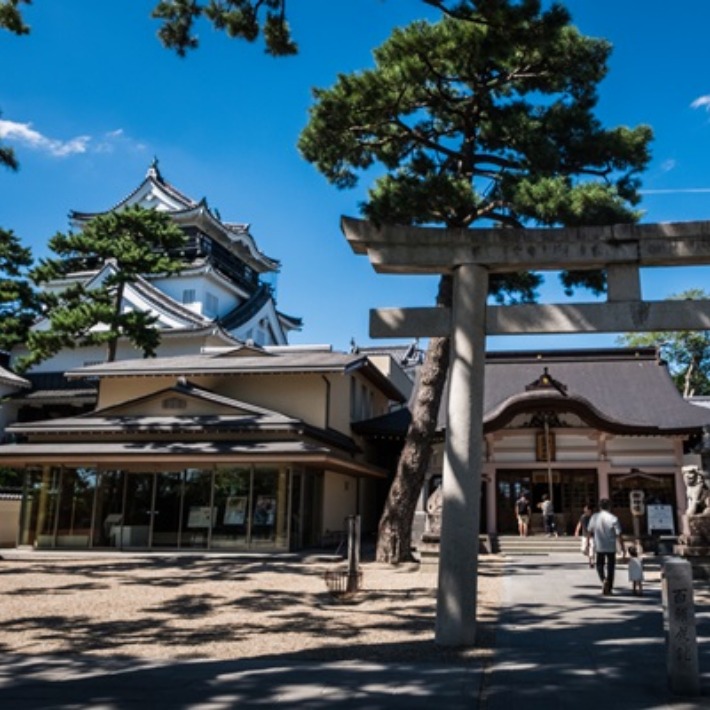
[[660, 519], [235, 510], [264, 510]]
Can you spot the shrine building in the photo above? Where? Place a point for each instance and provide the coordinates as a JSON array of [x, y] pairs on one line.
[[579, 425]]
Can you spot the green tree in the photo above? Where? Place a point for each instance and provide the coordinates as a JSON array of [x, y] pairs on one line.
[[243, 19], [11, 17], [686, 352], [486, 118], [19, 304], [133, 242]]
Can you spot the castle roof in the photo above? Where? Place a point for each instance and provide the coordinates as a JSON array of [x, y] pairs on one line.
[[156, 192]]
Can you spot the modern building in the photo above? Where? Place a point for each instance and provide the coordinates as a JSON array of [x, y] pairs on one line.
[[243, 449]]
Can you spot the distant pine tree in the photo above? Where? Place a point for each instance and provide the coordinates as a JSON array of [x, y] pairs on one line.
[[687, 353]]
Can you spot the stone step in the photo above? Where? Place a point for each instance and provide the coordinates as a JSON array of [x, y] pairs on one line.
[[428, 551], [536, 544]]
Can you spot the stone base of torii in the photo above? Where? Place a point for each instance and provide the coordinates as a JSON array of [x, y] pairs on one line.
[[470, 256]]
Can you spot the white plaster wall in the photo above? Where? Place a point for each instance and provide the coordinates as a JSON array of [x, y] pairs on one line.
[[339, 500], [174, 287], [8, 411], [71, 359], [264, 328], [518, 447], [641, 451], [572, 447], [514, 447]]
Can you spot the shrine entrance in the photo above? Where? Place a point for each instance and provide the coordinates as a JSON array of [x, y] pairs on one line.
[[571, 490]]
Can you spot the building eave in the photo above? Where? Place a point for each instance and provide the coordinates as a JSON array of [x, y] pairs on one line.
[[185, 454]]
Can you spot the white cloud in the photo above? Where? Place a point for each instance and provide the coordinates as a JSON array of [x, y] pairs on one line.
[[24, 134], [117, 139], [701, 102], [668, 165]]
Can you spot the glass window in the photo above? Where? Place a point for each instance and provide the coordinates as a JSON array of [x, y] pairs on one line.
[[166, 510], [138, 510], [270, 503], [108, 516], [38, 507], [198, 516], [231, 501], [76, 502], [211, 304]]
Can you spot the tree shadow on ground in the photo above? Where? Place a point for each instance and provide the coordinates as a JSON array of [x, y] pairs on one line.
[[602, 651], [331, 626], [288, 682]]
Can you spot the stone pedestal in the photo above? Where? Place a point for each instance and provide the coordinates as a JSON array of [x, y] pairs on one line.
[[429, 553], [695, 546]]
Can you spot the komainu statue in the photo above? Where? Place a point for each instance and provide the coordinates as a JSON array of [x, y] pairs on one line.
[[697, 488], [433, 509]]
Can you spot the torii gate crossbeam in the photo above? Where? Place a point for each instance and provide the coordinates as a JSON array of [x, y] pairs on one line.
[[470, 256]]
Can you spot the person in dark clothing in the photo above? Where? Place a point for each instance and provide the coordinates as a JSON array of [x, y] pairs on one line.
[[522, 510]]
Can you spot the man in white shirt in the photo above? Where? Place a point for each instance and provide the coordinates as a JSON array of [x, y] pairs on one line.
[[605, 528]]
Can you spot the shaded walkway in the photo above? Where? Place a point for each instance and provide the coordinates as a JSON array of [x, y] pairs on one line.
[[562, 644], [559, 644]]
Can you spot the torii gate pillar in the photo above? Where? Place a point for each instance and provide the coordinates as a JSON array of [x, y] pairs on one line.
[[461, 489], [469, 256]]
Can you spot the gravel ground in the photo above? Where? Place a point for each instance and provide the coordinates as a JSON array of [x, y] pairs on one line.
[[185, 607]]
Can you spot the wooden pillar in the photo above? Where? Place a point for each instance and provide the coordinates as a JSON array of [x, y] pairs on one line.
[[463, 461]]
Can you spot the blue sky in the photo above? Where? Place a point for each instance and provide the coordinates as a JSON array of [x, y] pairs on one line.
[[91, 97]]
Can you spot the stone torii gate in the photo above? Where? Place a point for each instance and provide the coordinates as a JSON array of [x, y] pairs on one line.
[[470, 256]]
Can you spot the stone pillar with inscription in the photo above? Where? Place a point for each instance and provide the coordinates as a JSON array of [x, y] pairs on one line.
[[681, 637]]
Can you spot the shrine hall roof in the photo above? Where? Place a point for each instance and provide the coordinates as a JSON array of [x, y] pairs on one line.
[[625, 391]]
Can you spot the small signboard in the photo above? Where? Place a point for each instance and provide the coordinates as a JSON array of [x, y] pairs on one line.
[[201, 516], [636, 498], [660, 519]]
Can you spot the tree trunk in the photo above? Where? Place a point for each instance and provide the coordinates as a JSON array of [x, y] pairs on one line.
[[112, 345], [395, 529], [688, 380]]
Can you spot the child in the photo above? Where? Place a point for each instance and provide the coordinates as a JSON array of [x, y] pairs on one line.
[[635, 571]]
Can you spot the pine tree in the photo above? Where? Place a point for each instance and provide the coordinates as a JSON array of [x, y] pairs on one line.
[[133, 243], [19, 305], [486, 118]]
